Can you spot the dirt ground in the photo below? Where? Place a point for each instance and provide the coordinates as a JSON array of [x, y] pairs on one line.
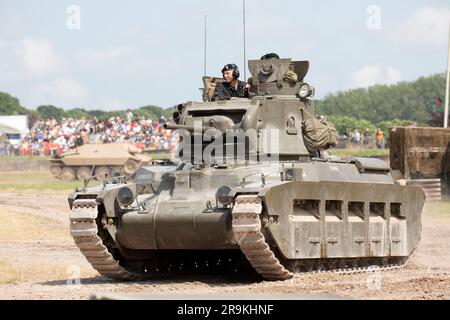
[[38, 260]]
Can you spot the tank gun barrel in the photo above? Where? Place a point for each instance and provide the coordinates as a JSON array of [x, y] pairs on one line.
[[169, 126]]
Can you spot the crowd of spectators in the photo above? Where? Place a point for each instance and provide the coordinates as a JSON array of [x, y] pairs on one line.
[[49, 136]]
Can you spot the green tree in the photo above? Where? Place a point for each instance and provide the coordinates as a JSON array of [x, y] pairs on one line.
[[77, 114], [386, 125], [10, 106], [50, 111], [346, 124], [413, 101]]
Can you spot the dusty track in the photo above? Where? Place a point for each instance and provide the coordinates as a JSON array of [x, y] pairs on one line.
[[37, 256]]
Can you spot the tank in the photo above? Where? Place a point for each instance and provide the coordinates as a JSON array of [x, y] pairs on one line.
[[250, 191], [99, 161]]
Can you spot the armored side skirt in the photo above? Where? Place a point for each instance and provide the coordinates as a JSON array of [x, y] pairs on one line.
[[312, 220]]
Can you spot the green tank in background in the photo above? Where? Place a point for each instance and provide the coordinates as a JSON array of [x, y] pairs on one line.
[[101, 161], [250, 191]]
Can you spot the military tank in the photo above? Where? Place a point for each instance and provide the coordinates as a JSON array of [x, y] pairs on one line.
[[97, 160], [250, 191]]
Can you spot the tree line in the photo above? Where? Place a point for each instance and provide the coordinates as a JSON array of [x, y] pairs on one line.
[[420, 102], [381, 106], [10, 105]]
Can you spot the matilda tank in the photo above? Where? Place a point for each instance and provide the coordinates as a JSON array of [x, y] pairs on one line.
[[97, 160], [251, 190]]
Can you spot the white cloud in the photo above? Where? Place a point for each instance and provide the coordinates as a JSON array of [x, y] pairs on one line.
[[121, 60], [30, 59], [374, 74], [39, 58], [60, 92], [111, 55], [427, 26], [109, 103], [68, 93]]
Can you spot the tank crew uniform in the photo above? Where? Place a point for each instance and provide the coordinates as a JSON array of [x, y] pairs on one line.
[[225, 91]]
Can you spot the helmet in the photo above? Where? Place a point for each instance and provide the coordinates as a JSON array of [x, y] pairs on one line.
[[270, 56], [232, 66]]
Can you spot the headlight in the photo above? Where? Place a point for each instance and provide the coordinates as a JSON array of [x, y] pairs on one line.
[[222, 196], [305, 91], [125, 196]]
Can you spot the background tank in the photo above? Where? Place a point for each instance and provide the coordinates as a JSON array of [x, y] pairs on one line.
[[247, 194], [99, 160]]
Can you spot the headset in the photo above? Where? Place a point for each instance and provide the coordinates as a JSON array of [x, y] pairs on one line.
[[232, 66]]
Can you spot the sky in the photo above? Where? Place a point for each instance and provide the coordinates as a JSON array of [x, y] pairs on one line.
[[113, 55]]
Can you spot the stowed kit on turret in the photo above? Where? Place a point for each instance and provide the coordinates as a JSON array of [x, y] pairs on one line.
[[247, 192]]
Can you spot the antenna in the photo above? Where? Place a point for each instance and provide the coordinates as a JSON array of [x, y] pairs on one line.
[[205, 43], [245, 53], [447, 93]]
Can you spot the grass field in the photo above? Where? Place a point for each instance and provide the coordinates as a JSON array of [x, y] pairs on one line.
[[34, 181]]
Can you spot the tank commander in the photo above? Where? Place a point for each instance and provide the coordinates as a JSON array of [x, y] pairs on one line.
[[231, 86]]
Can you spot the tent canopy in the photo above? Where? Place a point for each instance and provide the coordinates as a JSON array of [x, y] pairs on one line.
[[4, 129]]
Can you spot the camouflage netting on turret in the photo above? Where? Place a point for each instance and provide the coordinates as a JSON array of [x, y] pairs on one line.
[[319, 134]]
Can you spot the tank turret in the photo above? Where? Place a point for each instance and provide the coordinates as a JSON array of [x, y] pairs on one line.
[[270, 123]]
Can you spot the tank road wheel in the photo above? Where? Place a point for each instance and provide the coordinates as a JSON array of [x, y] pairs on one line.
[[247, 232], [55, 170], [101, 173], [131, 167], [68, 174], [84, 173]]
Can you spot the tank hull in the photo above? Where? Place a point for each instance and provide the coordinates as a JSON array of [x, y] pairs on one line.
[[333, 214], [309, 220]]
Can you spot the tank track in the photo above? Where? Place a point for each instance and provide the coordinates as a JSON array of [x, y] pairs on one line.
[[84, 230], [248, 234]]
